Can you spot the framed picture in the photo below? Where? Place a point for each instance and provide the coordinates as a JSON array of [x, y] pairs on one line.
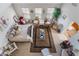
[[15, 18], [4, 22], [64, 17], [1, 29], [1, 24]]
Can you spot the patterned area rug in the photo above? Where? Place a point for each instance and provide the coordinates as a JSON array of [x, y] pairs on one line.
[[46, 42]]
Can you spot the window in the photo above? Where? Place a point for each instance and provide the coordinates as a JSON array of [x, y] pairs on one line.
[[26, 13], [38, 12], [25, 10], [50, 12]]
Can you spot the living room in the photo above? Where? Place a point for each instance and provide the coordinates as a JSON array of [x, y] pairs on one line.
[[39, 29]]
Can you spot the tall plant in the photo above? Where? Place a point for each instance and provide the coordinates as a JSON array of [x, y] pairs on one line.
[[56, 13]]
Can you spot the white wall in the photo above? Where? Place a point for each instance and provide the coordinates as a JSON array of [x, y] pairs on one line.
[[71, 11], [3, 6], [66, 22], [7, 13], [72, 14]]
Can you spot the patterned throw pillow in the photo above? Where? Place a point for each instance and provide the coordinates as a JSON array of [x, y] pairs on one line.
[[29, 30]]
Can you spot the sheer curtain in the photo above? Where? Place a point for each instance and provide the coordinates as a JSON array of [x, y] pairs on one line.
[[50, 13], [38, 12], [26, 13]]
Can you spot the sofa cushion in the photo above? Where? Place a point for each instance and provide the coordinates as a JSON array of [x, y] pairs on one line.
[[29, 30], [19, 38]]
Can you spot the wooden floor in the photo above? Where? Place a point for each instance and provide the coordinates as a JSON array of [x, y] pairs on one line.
[[24, 48], [38, 44]]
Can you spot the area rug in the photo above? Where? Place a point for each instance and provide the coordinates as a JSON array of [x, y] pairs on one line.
[[39, 44]]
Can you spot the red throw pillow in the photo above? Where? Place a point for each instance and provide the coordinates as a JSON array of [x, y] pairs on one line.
[[21, 20]]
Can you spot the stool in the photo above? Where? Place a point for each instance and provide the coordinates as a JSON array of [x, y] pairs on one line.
[[46, 52]]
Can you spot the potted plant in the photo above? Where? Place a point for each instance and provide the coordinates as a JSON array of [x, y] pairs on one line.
[[56, 13]]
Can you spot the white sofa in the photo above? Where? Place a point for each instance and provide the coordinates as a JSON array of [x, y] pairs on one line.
[[22, 36]]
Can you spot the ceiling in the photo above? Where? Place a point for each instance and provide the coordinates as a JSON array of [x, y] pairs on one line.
[[34, 5]]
